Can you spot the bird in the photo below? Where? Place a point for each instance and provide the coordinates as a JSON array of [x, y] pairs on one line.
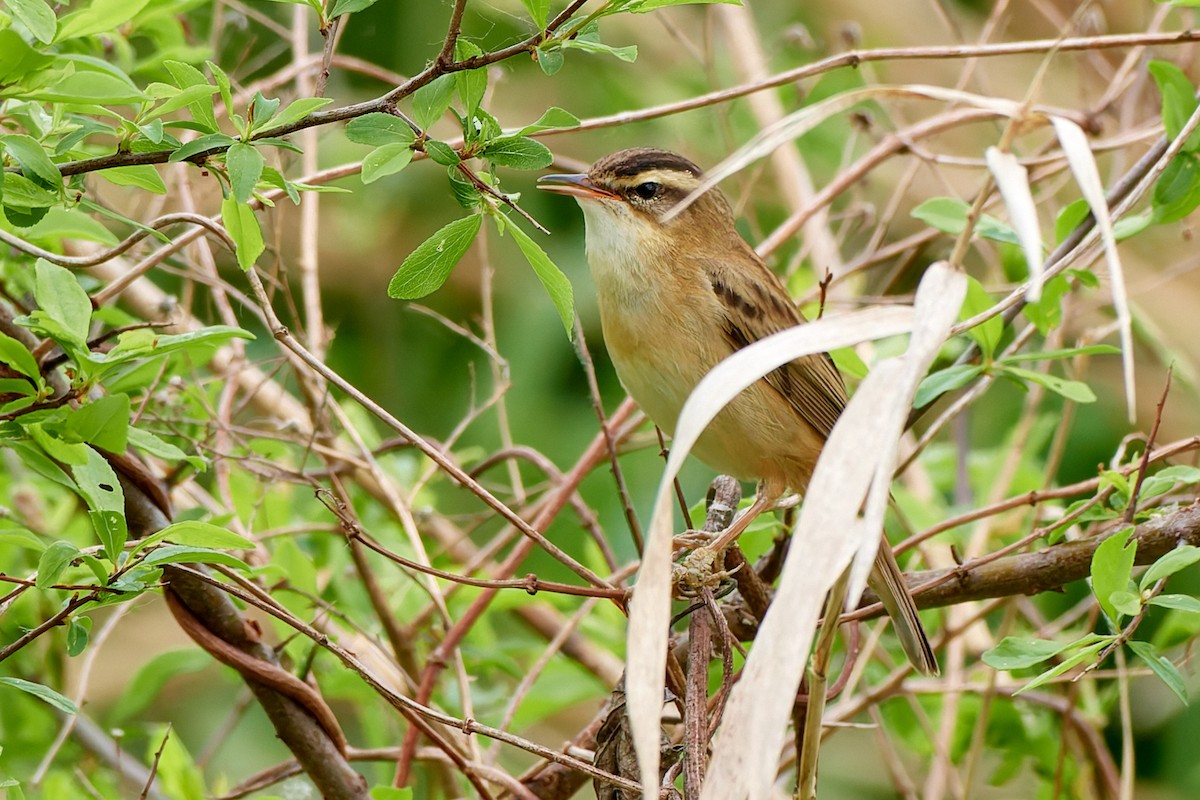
[[678, 296]]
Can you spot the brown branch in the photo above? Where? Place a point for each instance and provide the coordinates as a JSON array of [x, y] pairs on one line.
[[1046, 570], [308, 740], [1131, 509]]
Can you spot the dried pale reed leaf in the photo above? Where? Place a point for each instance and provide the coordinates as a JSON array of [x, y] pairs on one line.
[[937, 304], [859, 457], [1083, 167], [1013, 181], [650, 608]]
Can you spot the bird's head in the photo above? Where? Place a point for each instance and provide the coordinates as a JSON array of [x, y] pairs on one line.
[[625, 195]]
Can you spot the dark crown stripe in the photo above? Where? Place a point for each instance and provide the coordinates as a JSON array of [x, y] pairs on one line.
[[629, 163]]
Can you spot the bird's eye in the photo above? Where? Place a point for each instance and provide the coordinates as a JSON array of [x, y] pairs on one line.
[[648, 190]]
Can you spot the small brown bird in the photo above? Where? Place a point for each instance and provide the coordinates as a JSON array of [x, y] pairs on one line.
[[678, 297]]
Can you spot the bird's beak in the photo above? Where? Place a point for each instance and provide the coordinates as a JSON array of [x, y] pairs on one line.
[[578, 185]]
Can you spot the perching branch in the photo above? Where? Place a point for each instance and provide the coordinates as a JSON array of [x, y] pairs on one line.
[[1045, 570]]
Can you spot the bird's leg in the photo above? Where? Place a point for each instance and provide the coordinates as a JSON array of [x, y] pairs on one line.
[[764, 500]]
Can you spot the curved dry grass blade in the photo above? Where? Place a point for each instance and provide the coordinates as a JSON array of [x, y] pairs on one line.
[[834, 535], [795, 125], [1013, 181], [650, 607], [1083, 167]]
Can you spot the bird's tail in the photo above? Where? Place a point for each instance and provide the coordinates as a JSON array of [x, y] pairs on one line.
[[888, 582]]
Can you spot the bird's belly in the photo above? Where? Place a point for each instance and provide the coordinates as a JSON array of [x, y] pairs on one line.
[[758, 436]]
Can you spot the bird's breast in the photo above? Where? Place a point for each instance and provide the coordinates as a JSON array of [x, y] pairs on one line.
[[661, 350]]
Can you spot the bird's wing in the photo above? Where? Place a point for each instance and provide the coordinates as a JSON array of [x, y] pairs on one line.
[[756, 305]]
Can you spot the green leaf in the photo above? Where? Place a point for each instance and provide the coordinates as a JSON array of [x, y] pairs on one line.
[[143, 342], [22, 193], [184, 554], [274, 178], [298, 110], [72, 223], [471, 83], [482, 128], [86, 87], [1119, 482], [550, 58], [1130, 226], [32, 457], [99, 16], [1019, 652], [54, 561], [1112, 564], [185, 77], [552, 278], [245, 166], [554, 117], [78, 631], [153, 445], [104, 211], [628, 53], [1067, 665], [1078, 391], [100, 489], [1177, 602], [43, 693], [387, 159], [442, 153], [1178, 559], [849, 362], [518, 152], [63, 299], [539, 11], [391, 793], [37, 16], [1054, 355], [1180, 473], [987, 335], [69, 453], [194, 95], [350, 7], [262, 109], [1127, 603], [1162, 667], [432, 100], [945, 380], [32, 157], [428, 267], [377, 129], [1069, 218], [1178, 99], [1177, 191], [949, 215], [211, 141], [103, 422], [223, 84], [17, 386], [201, 534], [243, 228], [1046, 313], [465, 192], [21, 537], [18, 357], [143, 176], [18, 59]]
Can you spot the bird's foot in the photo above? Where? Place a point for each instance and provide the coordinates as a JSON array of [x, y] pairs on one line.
[[695, 572], [692, 539]]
